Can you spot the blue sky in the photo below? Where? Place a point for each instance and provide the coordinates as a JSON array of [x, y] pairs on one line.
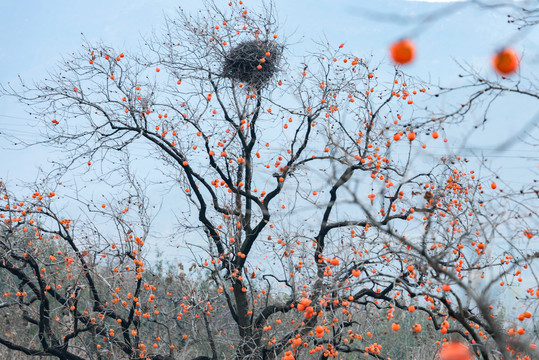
[[34, 37], [36, 34]]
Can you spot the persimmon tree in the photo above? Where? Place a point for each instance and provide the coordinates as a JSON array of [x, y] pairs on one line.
[[310, 208]]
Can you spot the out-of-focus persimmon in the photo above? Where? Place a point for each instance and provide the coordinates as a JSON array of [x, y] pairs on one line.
[[506, 61], [403, 52], [455, 351]]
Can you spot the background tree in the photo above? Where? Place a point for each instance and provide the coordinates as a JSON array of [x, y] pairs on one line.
[[308, 209]]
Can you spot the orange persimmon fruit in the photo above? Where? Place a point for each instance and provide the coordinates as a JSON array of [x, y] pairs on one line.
[[403, 52], [455, 351], [506, 61]]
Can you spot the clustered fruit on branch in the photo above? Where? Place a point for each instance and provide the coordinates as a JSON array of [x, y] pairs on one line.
[[253, 62]]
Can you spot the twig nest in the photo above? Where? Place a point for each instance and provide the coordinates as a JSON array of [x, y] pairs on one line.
[[253, 62]]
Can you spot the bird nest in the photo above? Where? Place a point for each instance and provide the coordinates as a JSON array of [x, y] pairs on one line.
[[253, 62]]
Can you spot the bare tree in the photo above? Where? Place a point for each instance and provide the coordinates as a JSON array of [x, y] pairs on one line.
[[310, 206]]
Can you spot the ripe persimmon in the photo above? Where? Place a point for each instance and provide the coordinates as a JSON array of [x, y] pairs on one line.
[[403, 52], [506, 61], [455, 351]]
